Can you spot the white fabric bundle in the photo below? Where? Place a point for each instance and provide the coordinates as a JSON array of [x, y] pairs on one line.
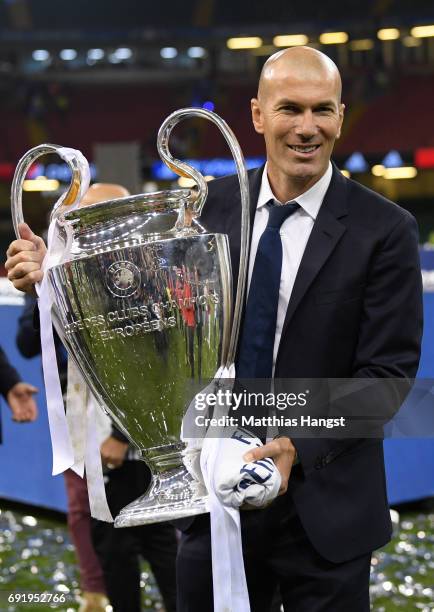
[[236, 482], [88, 427]]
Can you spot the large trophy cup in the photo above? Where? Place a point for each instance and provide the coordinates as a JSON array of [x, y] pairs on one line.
[[142, 300]]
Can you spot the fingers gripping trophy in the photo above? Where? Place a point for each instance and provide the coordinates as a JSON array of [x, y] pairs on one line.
[[142, 299]]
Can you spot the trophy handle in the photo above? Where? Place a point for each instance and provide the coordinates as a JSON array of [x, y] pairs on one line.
[[79, 168], [183, 169]]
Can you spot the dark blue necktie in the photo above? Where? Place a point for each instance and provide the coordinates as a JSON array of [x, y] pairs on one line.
[[255, 357]]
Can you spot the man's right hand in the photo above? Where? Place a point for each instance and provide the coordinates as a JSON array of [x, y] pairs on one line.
[[24, 260], [113, 452], [21, 402]]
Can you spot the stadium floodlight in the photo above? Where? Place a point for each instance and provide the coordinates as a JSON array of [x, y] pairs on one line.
[[95, 54], [40, 184], [388, 34], [422, 31], [356, 163], [411, 41], [168, 52], [41, 55], [123, 53], [244, 42], [264, 50], [68, 54], [290, 40], [186, 183], [362, 44], [393, 159], [404, 172], [333, 38], [208, 105], [378, 170], [196, 52]]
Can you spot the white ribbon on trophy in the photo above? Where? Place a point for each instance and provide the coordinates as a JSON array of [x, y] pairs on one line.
[[217, 461], [228, 574], [89, 426], [63, 453], [74, 447]]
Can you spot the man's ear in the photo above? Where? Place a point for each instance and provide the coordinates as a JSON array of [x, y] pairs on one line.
[[341, 118], [257, 116]]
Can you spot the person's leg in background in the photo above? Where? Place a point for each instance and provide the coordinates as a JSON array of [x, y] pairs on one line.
[[79, 524], [158, 545], [119, 550], [119, 555]]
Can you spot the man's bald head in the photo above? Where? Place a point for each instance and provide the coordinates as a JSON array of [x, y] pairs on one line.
[[299, 112], [301, 62], [101, 192]]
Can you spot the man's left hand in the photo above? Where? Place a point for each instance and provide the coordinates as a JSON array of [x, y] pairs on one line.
[[283, 453], [21, 402]]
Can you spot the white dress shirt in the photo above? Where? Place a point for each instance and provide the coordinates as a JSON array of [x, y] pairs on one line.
[[295, 232]]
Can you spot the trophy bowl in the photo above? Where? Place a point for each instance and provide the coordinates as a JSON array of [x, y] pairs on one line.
[[142, 300]]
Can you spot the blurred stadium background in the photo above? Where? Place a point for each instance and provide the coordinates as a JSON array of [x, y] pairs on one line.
[[101, 76], [93, 74]]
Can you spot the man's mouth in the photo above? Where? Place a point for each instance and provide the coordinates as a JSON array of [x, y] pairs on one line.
[[304, 148]]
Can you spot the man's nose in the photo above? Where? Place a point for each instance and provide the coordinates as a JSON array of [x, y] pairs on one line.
[[306, 127]]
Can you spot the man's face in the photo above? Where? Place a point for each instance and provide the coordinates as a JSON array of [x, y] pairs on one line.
[[300, 118]]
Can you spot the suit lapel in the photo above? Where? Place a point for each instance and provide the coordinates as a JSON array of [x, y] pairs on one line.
[[325, 235], [255, 179]]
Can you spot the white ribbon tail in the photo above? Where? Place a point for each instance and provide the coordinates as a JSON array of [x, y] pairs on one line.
[[228, 574], [76, 416], [63, 454], [99, 508], [229, 578]]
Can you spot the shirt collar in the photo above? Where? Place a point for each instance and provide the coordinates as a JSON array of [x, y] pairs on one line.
[[310, 201]]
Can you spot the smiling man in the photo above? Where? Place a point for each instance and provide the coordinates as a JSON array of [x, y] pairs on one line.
[[300, 114], [334, 292]]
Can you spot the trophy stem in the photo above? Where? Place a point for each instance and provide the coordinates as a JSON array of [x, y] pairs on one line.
[[173, 493]]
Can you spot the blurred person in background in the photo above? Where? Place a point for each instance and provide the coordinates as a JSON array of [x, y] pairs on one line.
[[78, 513], [126, 477], [18, 394], [120, 550]]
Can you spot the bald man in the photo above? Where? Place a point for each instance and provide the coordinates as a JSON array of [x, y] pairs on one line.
[[119, 550], [25, 255], [347, 305]]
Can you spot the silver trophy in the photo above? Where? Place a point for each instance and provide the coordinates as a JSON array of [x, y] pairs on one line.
[[143, 304]]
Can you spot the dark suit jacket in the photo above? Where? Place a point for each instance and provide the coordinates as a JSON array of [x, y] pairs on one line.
[[9, 377], [355, 311]]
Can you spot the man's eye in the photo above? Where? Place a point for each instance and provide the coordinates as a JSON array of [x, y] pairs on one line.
[[324, 110]]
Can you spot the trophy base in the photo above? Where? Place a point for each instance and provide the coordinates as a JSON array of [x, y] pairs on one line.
[[172, 495]]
